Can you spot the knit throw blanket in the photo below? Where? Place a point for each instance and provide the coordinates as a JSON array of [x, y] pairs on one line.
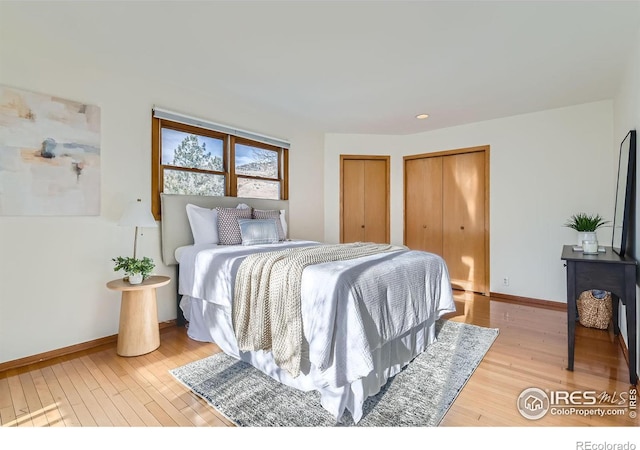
[[267, 313]]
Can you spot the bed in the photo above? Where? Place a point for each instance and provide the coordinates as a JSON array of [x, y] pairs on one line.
[[365, 310]]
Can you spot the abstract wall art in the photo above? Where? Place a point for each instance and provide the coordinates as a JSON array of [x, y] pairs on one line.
[[49, 155]]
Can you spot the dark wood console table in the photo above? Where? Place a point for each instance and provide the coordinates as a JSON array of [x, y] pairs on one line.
[[606, 271]]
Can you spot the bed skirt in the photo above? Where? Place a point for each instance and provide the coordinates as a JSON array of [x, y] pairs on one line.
[[210, 322]]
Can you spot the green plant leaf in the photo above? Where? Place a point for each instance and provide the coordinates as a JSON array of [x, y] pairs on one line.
[[585, 222], [131, 265]]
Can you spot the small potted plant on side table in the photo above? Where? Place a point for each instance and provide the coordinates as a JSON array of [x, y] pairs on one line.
[[586, 226], [136, 270]]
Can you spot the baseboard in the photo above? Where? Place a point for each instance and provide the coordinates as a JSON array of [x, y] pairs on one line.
[[16, 363], [623, 346], [547, 304]]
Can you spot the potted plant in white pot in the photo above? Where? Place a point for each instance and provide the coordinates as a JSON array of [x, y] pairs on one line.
[[135, 269], [586, 226]]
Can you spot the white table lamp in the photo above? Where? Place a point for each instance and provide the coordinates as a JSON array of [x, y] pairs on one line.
[[138, 214]]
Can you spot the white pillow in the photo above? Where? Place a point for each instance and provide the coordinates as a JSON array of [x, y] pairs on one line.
[[204, 224]]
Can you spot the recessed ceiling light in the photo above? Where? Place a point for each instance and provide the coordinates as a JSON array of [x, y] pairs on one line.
[[422, 116]]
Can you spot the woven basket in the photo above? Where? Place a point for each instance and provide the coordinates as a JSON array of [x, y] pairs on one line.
[[595, 309]]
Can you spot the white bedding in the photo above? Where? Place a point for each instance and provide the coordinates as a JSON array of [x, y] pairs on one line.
[[355, 314]]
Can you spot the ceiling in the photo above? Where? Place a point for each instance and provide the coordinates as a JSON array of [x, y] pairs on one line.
[[359, 66]]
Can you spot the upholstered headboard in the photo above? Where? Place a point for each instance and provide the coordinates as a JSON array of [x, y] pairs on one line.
[[174, 225]]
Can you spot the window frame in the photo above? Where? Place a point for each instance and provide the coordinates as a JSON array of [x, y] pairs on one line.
[[233, 140], [228, 160]]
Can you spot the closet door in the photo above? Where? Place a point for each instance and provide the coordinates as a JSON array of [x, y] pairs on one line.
[[364, 199], [423, 204], [352, 229], [376, 207], [446, 212], [463, 178]]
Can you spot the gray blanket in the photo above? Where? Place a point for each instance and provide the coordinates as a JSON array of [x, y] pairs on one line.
[[267, 312]]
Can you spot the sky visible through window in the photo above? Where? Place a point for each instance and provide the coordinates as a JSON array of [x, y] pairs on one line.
[[244, 154]]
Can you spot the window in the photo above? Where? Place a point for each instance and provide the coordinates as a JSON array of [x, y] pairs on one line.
[[194, 157], [257, 170]]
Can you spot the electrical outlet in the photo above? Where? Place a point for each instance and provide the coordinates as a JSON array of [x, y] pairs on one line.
[[505, 281]]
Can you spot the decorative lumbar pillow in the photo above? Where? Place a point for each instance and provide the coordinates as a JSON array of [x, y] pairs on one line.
[[228, 228], [258, 231], [271, 214], [204, 224]]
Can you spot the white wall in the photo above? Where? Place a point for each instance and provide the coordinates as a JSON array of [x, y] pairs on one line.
[[544, 167], [53, 270], [627, 117]]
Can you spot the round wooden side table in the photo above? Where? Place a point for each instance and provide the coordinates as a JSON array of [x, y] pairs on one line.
[[139, 332]]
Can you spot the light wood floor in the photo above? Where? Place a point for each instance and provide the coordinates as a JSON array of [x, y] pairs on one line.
[[97, 388]]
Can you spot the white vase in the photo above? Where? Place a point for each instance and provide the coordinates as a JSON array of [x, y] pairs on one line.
[[586, 236], [135, 278]]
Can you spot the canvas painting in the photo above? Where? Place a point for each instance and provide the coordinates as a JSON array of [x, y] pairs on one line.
[[49, 155]]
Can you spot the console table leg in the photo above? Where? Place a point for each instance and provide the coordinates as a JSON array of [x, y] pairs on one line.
[[571, 313]]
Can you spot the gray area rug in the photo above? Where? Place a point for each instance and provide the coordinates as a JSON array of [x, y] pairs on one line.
[[418, 396]]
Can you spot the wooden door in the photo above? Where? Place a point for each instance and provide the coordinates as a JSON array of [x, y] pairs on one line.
[[446, 197], [376, 207], [352, 229], [364, 209], [423, 204], [463, 219]]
